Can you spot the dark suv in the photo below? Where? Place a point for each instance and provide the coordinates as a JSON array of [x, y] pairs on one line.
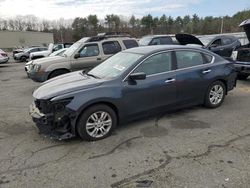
[[222, 45]]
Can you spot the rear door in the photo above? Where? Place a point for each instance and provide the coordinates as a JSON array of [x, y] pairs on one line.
[[89, 57], [193, 75], [156, 91]]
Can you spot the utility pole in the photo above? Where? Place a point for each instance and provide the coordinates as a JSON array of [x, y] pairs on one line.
[[222, 25], [61, 36]]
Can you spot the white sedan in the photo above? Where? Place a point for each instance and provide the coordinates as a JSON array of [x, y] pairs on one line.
[[3, 57]]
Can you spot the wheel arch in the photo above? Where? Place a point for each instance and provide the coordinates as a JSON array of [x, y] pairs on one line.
[[59, 69], [109, 104], [224, 82]]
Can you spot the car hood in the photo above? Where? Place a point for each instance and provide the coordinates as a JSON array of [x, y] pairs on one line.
[[52, 59], [40, 53], [185, 39], [246, 26], [65, 84]]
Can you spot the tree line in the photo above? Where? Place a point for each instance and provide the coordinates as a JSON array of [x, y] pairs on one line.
[[72, 30]]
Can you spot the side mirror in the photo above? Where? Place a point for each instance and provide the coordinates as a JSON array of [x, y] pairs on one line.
[[77, 55], [137, 76]]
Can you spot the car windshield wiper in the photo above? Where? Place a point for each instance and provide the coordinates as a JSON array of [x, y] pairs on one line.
[[92, 75]]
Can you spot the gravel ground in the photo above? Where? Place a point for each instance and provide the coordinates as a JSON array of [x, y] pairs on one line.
[[194, 147]]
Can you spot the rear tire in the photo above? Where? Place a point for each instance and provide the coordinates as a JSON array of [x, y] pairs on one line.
[[96, 123], [242, 76], [57, 73], [215, 94], [23, 59]]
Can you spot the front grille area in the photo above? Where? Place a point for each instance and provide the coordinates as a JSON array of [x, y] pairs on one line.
[[44, 106]]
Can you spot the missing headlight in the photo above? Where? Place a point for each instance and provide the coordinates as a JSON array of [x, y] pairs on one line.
[[60, 105]]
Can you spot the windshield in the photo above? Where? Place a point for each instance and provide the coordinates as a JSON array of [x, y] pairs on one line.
[[145, 41], [115, 65], [70, 51], [206, 40]]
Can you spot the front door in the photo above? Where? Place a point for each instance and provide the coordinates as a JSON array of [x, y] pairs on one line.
[[156, 91], [89, 57]]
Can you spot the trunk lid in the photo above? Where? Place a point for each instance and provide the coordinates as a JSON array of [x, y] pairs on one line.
[[246, 26], [185, 39]]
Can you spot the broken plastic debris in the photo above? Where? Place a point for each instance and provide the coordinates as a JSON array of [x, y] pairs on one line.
[[144, 183]]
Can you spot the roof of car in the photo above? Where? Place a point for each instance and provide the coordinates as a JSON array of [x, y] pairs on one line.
[[152, 49], [152, 36]]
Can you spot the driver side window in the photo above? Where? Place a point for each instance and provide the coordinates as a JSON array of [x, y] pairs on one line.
[[156, 64], [217, 42], [89, 50]]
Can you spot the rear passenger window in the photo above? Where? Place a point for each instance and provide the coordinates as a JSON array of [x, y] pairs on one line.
[[130, 43], [156, 64], [208, 58], [187, 59], [111, 47]]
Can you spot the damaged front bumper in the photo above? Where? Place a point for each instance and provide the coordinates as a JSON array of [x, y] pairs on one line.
[[51, 125]]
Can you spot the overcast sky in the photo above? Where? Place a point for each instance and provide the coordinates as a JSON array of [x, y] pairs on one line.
[[55, 9]]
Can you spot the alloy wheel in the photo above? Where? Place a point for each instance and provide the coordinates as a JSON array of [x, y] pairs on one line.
[[98, 124], [216, 94]]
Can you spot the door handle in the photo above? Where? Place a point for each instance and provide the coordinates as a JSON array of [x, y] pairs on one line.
[[206, 71], [170, 80], [98, 59]]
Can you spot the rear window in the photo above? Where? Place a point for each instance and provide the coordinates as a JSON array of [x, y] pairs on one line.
[[130, 43], [111, 47]]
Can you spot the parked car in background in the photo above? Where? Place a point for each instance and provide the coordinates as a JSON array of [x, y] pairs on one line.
[[129, 85], [24, 56], [3, 57], [56, 53], [222, 45], [21, 49], [52, 48], [156, 40], [242, 54], [17, 50], [84, 54]]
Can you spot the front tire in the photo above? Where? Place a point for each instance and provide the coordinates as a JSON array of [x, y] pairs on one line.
[[96, 123], [215, 94]]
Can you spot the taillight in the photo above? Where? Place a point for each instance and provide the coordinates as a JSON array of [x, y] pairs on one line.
[[4, 54]]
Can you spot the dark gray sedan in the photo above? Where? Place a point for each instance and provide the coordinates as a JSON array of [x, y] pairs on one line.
[[131, 84]]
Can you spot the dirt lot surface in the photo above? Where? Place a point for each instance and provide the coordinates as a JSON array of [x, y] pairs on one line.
[[194, 147]]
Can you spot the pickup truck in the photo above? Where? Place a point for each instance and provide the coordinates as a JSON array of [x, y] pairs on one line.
[[52, 48]]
